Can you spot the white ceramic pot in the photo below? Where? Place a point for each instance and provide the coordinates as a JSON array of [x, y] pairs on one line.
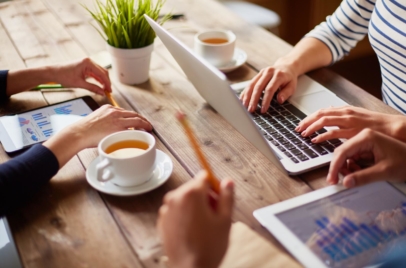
[[131, 66]]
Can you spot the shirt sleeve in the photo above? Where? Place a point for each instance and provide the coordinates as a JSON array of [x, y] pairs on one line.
[[3, 85], [24, 175], [345, 28]]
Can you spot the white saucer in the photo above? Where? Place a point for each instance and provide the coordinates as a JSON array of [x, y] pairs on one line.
[[162, 172], [239, 58]]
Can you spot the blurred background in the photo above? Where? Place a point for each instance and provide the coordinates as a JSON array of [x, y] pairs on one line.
[[297, 17]]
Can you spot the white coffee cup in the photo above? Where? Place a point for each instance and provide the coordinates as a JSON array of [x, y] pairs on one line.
[[126, 171], [218, 54]]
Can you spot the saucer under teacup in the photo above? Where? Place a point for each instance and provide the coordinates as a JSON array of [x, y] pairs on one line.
[[239, 58], [162, 172]]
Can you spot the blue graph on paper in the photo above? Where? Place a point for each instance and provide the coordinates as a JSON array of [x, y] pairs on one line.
[[346, 238]]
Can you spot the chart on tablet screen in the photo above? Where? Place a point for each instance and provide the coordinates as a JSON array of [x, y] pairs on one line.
[[342, 233]]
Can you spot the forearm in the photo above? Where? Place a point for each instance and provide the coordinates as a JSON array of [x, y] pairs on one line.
[[66, 144], [309, 54], [24, 175], [22, 80]]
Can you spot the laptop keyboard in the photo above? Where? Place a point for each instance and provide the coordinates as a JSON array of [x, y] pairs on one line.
[[278, 126]]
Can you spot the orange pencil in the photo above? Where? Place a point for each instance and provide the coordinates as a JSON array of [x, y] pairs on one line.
[[111, 99], [215, 184]]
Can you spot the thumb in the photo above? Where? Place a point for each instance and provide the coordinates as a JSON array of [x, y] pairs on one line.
[[92, 87], [226, 198], [365, 176], [286, 92]]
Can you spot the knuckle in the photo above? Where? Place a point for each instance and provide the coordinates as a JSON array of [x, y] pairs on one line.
[[321, 112], [86, 60], [349, 111], [190, 193], [323, 121], [367, 132], [279, 75]]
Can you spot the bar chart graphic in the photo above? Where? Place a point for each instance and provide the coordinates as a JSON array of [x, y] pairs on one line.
[[38, 116], [47, 133], [346, 238], [64, 109]]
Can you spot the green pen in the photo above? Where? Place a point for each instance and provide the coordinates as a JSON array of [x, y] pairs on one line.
[[48, 86]]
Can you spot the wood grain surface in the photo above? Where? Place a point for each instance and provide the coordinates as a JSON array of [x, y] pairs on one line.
[[68, 223]]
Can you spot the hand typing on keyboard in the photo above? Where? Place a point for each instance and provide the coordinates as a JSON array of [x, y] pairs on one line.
[[351, 121], [277, 81], [278, 126]]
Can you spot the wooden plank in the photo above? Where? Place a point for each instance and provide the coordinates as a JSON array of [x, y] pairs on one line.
[[258, 181], [9, 58], [54, 225], [79, 23], [68, 222], [263, 50], [136, 215], [67, 225], [37, 34]]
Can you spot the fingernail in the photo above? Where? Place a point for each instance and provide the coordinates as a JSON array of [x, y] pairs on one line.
[[297, 129], [351, 182], [304, 133], [250, 108], [230, 185], [282, 99], [314, 140]]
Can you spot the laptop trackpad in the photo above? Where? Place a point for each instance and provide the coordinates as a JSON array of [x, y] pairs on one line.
[[313, 102]]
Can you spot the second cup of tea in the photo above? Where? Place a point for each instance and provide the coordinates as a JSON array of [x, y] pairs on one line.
[[216, 47], [127, 158]]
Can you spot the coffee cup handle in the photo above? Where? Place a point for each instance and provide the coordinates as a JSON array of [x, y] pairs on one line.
[[102, 174]]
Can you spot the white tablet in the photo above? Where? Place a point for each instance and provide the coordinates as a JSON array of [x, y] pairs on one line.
[[334, 227], [22, 130]]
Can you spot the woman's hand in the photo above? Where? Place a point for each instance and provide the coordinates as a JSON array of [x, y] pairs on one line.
[[281, 76], [385, 154], [74, 75], [88, 131], [194, 231], [105, 121], [68, 75], [351, 121]]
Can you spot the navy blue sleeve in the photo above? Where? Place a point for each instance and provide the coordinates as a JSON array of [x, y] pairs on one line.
[[3, 85], [25, 174]]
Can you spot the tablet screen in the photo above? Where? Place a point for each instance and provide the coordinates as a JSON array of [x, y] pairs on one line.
[[351, 228], [38, 125]]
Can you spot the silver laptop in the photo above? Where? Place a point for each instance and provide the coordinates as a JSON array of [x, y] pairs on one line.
[[271, 133]]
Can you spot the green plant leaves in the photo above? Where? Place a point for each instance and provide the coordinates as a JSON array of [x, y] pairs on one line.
[[123, 25]]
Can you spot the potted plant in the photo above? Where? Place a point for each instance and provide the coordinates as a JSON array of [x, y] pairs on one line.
[[129, 37]]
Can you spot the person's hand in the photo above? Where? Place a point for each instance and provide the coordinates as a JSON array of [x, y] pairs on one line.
[[385, 156], [351, 120], [107, 120], [280, 77], [194, 223], [91, 129], [75, 74]]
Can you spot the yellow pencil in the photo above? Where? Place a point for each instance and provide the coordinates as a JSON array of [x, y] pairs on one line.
[[215, 184], [111, 99]]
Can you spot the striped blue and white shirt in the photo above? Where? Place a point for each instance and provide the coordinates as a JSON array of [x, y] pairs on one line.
[[385, 23]]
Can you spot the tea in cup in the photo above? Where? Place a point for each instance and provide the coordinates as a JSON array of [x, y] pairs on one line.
[[217, 47], [127, 158]]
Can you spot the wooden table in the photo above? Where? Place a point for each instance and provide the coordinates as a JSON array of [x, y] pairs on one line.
[[68, 223]]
